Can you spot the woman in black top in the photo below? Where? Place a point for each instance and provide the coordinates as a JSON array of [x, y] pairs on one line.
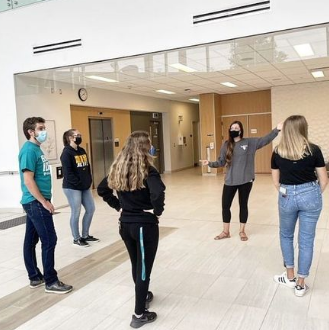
[[141, 197], [294, 164], [76, 186]]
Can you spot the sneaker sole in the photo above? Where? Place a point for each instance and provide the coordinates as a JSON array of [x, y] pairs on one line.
[[138, 325], [81, 246], [58, 292], [37, 286]]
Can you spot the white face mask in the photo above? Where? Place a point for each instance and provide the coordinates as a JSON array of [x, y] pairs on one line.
[[42, 136]]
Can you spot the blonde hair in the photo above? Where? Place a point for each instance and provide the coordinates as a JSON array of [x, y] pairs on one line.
[[294, 142], [130, 168]]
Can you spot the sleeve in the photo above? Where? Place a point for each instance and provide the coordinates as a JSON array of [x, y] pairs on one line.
[[274, 165], [69, 168], [106, 193], [221, 161], [28, 161], [157, 191], [319, 160], [263, 141]]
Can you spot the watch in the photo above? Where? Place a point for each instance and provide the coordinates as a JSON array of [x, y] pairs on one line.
[[82, 93]]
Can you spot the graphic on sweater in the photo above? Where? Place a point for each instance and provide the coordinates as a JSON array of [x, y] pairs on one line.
[[81, 160], [244, 147]]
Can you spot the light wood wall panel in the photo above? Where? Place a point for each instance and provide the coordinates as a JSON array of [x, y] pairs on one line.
[[120, 120], [210, 126], [244, 103]]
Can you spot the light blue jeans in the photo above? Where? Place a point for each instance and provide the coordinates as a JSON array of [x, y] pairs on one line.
[[303, 202], [76, 198]]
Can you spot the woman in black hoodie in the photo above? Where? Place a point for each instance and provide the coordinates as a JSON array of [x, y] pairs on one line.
[[140, 193], [76, 186]]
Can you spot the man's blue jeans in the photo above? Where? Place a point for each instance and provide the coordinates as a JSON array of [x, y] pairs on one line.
[[303, 202], [76, 198], [40, 224]]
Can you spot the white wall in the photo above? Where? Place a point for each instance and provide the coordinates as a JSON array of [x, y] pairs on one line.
[[34, 98], [310, 100]]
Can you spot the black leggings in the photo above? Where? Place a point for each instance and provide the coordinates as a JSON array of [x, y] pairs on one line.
[[227, 198], [141, 240]]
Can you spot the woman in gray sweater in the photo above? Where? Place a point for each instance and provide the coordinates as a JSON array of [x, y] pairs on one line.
[[238, 155]]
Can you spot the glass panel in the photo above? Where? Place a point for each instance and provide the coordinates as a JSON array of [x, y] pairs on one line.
[[20, 3], [5, 5]]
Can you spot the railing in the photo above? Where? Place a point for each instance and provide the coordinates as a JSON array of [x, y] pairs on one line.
[[13, 4]]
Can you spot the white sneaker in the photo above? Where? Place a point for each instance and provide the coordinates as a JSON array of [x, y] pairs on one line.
[[300, 291], [284, 280]]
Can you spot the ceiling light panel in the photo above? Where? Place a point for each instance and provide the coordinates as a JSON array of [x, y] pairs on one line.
[[182, 67], [102, 79], [228, 84], [163, 91], [304, 50], [317, 74]]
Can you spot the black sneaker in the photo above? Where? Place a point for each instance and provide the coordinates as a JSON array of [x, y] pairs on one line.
[[149, 298], [147, 317], [59, 288], [91, 239], [36, 283], [80, 242]]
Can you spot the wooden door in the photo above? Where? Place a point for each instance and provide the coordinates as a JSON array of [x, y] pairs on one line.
[[261, 125]]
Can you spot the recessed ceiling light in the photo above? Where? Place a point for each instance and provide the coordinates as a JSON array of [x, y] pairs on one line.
[[164, 91], [102, 79], [317, 74], [182, 67], [304, 50], [228, 84], [194, 100]]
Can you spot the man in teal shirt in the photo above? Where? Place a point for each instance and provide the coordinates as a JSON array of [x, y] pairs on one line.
[[36, 187]]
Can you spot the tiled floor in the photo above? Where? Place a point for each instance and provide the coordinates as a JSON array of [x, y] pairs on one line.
[[198, 283]]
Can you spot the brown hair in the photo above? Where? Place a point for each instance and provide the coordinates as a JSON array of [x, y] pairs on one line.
[[66, 136], [30, 123]]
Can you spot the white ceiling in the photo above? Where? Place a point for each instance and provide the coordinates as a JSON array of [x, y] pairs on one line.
[[253, 63]]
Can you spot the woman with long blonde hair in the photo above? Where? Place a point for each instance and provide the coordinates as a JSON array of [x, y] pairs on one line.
[[299, 174], [140, 192]]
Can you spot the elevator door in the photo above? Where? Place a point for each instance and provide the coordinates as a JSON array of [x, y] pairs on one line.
[[101, 148]]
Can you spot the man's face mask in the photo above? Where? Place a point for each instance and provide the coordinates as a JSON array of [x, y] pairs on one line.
[[42, 136]]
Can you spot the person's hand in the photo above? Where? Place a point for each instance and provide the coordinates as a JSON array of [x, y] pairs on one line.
[[48, 206], [279, 126], [204, 162]]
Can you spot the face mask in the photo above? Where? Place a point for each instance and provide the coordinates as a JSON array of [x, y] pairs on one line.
[[234, 134], [152, 151], [78, 140], [42, 136]]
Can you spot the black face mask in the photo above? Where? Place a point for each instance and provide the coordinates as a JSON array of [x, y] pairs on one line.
[[78, 140], [234, 134]]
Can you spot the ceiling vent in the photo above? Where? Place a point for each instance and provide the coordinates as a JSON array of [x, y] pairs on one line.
[[231, 12], [57, 46]]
